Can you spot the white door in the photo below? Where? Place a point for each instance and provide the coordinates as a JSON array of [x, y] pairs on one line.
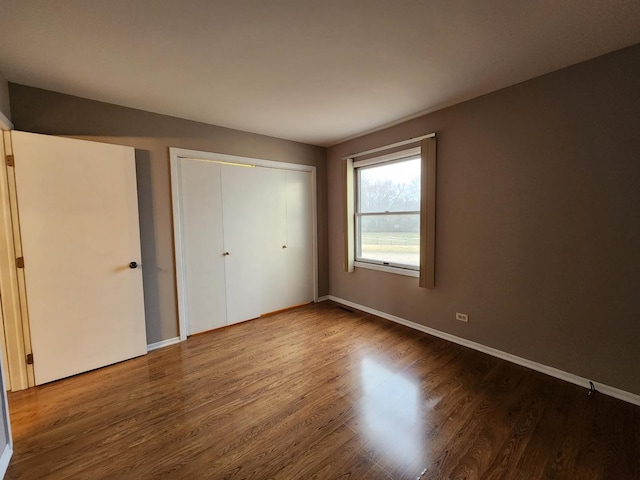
[[241, 197], [273, 238], [203, 242], [298, 280], [78, 210], [286, 239]]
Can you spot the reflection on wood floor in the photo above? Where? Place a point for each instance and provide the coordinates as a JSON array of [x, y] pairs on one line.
[[319, 392]]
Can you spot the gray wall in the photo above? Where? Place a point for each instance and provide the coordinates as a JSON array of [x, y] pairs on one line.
[[42, 111], [4, 433], [538, 221], [5, 107]]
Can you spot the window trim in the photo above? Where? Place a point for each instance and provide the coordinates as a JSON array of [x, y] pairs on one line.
[[428, 155], [388, 269], [398, 156]]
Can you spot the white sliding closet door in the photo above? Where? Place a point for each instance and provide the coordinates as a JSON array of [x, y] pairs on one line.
[[287, 239], [202, 234], [241, 199], [298, 279], [273, 236], [244, 238]]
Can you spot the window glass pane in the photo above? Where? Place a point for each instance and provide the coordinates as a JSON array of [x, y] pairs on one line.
[[392, 187], [390, 238]]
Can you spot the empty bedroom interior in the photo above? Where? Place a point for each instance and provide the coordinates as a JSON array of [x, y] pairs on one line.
[[536, 232]]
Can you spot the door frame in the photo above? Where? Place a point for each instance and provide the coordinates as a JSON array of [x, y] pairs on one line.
[[7, 297], [175, 156], [17, 341]]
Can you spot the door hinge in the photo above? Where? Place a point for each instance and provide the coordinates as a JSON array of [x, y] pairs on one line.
[[10, 160], [29, 358], [20, 262]]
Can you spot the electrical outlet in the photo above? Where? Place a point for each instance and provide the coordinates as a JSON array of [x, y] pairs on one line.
[[463, 317]]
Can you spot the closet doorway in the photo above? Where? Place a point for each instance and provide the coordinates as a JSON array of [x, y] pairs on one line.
[[245, 237]]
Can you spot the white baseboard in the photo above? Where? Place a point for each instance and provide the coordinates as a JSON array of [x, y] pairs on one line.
[[554, 372], [163, 343], [322, 299], [4, 459]]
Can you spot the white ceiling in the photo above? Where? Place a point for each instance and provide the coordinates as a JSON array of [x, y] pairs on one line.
[[315, 71]]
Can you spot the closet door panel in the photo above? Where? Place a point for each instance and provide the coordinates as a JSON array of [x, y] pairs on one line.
[[299, 274], [201, 189], [242, 194], [273, 239]]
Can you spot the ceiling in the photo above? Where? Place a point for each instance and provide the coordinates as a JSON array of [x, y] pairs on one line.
[[314, 71]]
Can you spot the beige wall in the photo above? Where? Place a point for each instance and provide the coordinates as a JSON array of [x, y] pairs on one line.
[[5, 107], [538, 222], [41, 111]]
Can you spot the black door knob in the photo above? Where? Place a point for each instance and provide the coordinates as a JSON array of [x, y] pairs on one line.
[[133, 265]]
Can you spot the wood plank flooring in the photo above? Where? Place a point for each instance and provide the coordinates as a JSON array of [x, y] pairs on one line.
[[320, 393]]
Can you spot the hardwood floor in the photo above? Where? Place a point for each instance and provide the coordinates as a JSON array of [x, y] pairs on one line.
[[320, 392]]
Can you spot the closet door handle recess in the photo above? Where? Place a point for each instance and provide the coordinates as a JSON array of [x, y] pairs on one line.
[[226, 254]]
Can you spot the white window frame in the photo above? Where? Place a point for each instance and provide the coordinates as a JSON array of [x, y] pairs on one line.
[[390, 267]]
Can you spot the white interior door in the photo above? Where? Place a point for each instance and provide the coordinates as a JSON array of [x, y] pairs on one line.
[[203, 244], [299, 272], [286, 238], [241, 197], [78, 210], [273, 238]]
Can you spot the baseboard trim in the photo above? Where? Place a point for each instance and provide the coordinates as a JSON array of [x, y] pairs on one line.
[[163, 343], [5, 458], [323, 298], [554, 372]]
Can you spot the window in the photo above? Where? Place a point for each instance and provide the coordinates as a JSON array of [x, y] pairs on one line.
[[390, 210], [387, 211]]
